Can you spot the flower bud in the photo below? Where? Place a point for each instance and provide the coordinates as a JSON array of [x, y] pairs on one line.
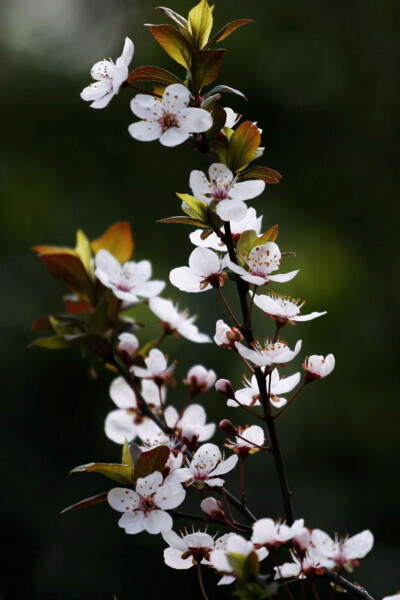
[[128, 344], [213, 508], [228, 427], [190, 435], [225, 388], [226, 336], [318, 367], [199, 379]]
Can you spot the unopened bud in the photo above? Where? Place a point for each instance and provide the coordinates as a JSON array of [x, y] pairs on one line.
[[212, 508], [225, 388], [128, 343], [228, 427], [190, 436]]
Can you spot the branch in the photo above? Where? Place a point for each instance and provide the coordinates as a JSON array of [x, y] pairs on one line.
[[355, 590]]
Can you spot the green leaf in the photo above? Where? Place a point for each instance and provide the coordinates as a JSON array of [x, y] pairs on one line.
[[104, 314], [219, 148], [243, 145], [174, 16], [152, 460], [84, 251], [224, 88], [269, 236], [174, 43], [121, 473], [206, 65], [209, 102], [183, 221], [263, 173], [87, 502], [200, 23], [155, 74], [227, 30], [198, 209], [247, 241], [51, 343], [126, 455]]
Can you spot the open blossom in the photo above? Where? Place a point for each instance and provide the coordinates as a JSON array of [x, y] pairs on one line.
[[145, 509], [129, 281], [261, 262], [171, 120], [226, 336], [318, 367], [187, 550], [249, 222], [283, 309], [127, 421], [206, 467], [271, 535], [157, 367], [300, 568], [250, 394], [248, 441], [205, 271], [340, 552], [128, 343], [238, 546], [199, 379], [109, 78], [223, 188], [269, 354], [175, 321], [192, 424]]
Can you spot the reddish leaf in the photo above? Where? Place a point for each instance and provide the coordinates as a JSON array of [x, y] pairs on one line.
[[183, 220], [174, 43], [70, 270], [156, 74], [219, 118], [243, 145], [264, 173], [150, 461], [88, 502], [118, 240], [41, 324], [76, 307], [206, 65], [227, 30]]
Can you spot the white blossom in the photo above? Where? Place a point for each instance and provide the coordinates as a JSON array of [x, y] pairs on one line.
[[270, 534], [223, 188], [200, 379], [318, 367], [269, 354], [109, 78], [225, 336], [207, 466], [204, 272], [300, 568], [237, 546], [128, 343], [187, 550], [249, 222], [127, 422], [129, 281], [261, 262], [145, 509], [192, 424], [340, 552], [250, 394], [171, 120], [178, 322], [157, 367], [283, 308]]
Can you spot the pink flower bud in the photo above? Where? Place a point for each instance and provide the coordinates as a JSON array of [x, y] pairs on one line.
[[190, 435], [128, 343], [212, 508], [199, 379], [225, 388], [226, 336], [228, 427]]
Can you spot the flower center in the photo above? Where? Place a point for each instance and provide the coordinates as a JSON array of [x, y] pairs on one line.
[[168, 120], [146, 505], [220, 193]]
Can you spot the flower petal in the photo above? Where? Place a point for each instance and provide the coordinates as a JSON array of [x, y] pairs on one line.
[[145, 131], [231, 210], [174, 136], [283, 277], [119, 425], [170, 495], [146, 107], [123, 499], [122, 394], [173, 558], [145, 486], [246, 190], [195, 120], [132, 522], [157, 521]]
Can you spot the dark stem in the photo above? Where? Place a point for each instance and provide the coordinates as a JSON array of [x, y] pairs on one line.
[[203, 591], [140, 89], [243, 494], [314, 589], [290, 400], [189, 517], [356, 591]]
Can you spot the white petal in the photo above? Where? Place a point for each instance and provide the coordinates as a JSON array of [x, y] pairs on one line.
[[283, 277], [263, 531], [287, 570], [156, 361], [157, 521], [199, 184], [184, 279], [146, 107], [145, 131], [194, 415], [122, 394], [119, 426], [132, 522], [174, 540], [173, 558], [191, 332], [231, 210], [123, 499], [175, 98], [359, 545], [207, 432], [212, 241], [285, 384], [246, 190], [234, 267], [254, 435], [226, 580], [108, 264], [203, 262], [103, 69], [174, 136], [215, 482], [226, 465], [103, 102], [208, 455], [145, 486], [170, 495], [127, 53], [150, 288], [171, 416], [195, 120], [309, 317]]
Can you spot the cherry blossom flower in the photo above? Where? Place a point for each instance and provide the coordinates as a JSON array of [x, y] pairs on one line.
[[206, 467], [283, 309], [301, 538], [157, 367], [261, 262], [340, 553], [249, 222], [224, 189], [238, 546], [271, 535], [109, 78], [212, 508], [127, 421], [248, 441], [128, 281], [226, 336], [270, 354], [199, 379], [129, 344], [318, 367], [171, 120], [188, 550], [191, 425], [203, 273], [250, 394], [145, 509], [175, 321], [299, 568]]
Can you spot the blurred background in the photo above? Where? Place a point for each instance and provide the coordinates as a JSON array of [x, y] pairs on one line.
[[322, 80]]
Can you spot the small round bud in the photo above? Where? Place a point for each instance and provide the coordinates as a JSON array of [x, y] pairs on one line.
[[225, 388], [228, 427], [128, 345], [318, 367], [213, 508], [199, 379]]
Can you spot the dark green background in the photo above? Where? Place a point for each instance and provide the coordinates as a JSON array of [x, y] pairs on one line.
[[322, 80]]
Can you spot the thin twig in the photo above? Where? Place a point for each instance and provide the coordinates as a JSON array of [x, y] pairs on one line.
[[203, 591], [228, 308], [289, 402]]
